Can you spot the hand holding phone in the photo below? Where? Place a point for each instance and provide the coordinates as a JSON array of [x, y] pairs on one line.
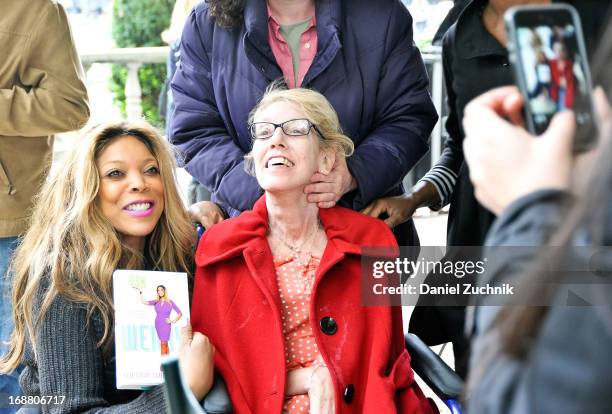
[[506, 162]]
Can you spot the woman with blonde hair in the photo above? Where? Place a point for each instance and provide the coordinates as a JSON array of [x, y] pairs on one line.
[[278, 289], [112, 204]]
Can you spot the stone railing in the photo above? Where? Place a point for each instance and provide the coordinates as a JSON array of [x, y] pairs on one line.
[[133, 58]]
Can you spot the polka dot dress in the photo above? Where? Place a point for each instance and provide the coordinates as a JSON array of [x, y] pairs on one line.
[[295, 281]]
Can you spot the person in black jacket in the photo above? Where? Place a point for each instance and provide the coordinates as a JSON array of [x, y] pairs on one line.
[[449, 20], [475, 61]]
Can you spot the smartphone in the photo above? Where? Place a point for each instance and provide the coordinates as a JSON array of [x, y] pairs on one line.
[[546, 49]]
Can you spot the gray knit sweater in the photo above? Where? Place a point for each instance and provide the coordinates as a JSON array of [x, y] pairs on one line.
[[68, 363]]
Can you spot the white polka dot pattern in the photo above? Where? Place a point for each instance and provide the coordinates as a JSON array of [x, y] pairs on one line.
[[295, 284]]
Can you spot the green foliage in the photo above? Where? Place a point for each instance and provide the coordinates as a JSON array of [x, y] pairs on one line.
[[139, 23], [423, 44]]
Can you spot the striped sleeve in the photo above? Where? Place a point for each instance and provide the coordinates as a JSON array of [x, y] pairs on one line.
[[444, 180]]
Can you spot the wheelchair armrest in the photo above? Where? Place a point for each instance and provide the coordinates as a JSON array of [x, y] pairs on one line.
[[179, 397], [182, 401], [433, 370], [217, 400]]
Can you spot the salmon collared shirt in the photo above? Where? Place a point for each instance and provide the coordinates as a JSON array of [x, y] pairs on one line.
[[282, 52]]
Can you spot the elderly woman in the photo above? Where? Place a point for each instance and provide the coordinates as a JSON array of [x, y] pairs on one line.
[[277, 289]]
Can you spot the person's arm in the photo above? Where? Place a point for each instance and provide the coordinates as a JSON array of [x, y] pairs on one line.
[[404, 118], [315, 381], [206, 213], [210, 153], [144, 301], [179, 314], [50, 94], [529, 222], [514, 174], [401, 208], [71, 364], [504, 385], [443, 175]]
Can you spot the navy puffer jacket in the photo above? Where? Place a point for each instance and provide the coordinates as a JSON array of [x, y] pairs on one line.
[[366, 65]]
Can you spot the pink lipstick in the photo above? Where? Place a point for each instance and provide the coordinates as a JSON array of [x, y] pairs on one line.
[[140, 208]]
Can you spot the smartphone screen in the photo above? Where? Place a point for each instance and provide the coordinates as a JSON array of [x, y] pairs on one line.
[[553, 69]]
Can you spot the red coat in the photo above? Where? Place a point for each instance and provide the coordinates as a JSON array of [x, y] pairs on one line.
[[556, 74], [236, 304]]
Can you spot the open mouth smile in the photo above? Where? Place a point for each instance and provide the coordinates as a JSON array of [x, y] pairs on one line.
[[139, 208], [279, 161]]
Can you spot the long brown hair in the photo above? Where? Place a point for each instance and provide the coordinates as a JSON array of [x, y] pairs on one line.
[[72, 250]]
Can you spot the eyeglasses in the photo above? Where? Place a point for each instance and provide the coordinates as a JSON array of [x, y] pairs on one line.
[[292, 128]]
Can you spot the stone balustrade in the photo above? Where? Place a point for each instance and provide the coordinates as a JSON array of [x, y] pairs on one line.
[[133, 58]]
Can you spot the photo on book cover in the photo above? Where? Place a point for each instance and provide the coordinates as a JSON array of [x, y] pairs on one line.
[[150, 310]]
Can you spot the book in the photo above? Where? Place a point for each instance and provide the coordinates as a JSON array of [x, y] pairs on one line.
[[145, 302]]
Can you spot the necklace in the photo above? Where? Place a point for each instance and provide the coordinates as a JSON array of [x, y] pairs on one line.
[[306, 265], [297, 249]]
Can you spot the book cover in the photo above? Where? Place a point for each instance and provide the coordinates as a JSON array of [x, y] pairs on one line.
[[150, 310]]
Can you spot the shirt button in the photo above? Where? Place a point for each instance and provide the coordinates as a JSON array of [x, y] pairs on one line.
[[307, 45], [349, 393], [328, 325]]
